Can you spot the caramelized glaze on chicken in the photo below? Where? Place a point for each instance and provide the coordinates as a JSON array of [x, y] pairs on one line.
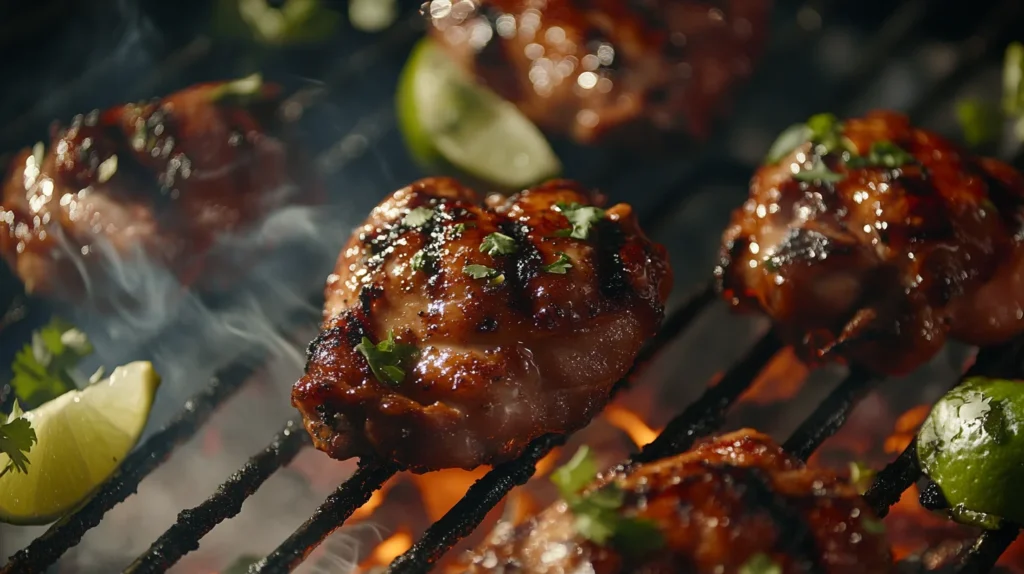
[[497, 325], [876, 241], [158, 180], [600, 67], [734, 504]]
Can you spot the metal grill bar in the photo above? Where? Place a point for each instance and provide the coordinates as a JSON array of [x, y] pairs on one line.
[[989, 547], [352, 494], [830, 416], [48, 548], [183, 537]]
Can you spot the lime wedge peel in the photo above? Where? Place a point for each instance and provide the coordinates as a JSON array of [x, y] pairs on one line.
[[448, 119], [83, 438]]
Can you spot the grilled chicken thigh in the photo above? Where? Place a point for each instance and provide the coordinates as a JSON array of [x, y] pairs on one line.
[[872, 241], [157, 181], [455, 333], [733, 504], [594, 68]]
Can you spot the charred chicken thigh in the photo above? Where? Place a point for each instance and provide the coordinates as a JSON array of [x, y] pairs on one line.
[[157, 180], [734, 504], [872, 242], [598, 67], [456, 332]]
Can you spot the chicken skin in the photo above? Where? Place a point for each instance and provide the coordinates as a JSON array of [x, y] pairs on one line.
[[737, 503], [600, 69], [155, 182], [455, 333], [871, 242]]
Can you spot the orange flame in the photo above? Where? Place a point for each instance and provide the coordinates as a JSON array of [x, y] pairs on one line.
[[906, 429], [779, 380], [547, 464], [375, 501], [630, 423], [388, 550], [442, 489]]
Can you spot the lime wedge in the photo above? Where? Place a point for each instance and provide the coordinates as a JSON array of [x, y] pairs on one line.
[[83, 437], [448, 118]]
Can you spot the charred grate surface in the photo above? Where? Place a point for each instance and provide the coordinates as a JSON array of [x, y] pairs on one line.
[[701, 418], [183, 537]]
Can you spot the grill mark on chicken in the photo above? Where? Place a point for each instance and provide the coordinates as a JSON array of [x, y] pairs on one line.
[[498, 361]]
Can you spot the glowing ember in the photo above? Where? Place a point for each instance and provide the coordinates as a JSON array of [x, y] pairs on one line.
[[630, 423], [375, 500], [780, 380], [388, 550], [906, 429]]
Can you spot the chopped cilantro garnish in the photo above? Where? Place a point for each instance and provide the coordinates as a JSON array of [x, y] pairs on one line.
[[581, 217], [818, 172], [559, 266], [760, 563], [484, 272], [386, 358], [883, 154], [791, 138], [16, 439], [498, 244], [418, 260], [1013, 79], [238, 91], [41, 368], [597, 516], [418, 217]]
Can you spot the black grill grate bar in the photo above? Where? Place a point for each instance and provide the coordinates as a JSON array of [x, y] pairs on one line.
[[48, 548], [183, 537], [830, 415], [352, 494], [706, 413], [982, 557]]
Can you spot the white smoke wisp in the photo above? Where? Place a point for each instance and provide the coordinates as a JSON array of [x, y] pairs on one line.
[[270, 313]]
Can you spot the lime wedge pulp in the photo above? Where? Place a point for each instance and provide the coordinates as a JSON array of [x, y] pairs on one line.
[[448, 118], [83, 436]]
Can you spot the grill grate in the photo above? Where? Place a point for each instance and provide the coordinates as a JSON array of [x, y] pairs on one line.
[[699, 419]]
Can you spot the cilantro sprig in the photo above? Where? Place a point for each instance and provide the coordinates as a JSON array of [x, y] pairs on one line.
[[760, 563], [475, 271], [418, 217], [826, 132], [498, 244], [387, 358], [16, 440], [581, 217], [42, 368], [560, 266], [597, 512]]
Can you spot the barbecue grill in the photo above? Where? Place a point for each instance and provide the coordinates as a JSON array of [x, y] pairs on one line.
[[823, 57]]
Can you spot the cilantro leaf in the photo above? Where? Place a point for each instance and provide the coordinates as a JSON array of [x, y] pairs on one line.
[[576, 474], [597, 513], [386, 357], [418, 217], [581, 217], [559, 266], [484, 272], [16, 439], [498, 244], [872, 526], [883, 154], [827, 132], [238, 92], [819, 172], [861, 476], [418, 260], [42, 368], [760, 563], [791, 138]]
